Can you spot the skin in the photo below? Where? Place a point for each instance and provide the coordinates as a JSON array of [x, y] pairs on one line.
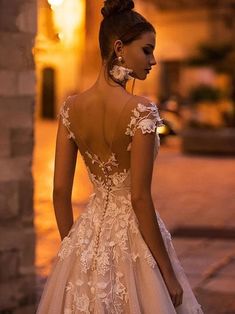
[[137, 56]]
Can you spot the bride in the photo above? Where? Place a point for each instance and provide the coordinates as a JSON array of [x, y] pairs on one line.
[[117, 257]]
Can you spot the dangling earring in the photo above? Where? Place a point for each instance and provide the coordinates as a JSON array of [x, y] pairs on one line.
[[133, 85], [120, 73]]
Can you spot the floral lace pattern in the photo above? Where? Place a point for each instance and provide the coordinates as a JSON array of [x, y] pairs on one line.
[[116, 180], [112, 161], [101, 237], [146, 118], [119, 226], [105, 241], [64, 112]]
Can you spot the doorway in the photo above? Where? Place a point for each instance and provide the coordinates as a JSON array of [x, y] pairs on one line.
[[48, 93]]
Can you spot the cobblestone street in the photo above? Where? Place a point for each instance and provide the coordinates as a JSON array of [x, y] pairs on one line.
[[196, 200]]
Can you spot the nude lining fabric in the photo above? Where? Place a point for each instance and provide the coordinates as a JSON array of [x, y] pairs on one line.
[[104, 265]]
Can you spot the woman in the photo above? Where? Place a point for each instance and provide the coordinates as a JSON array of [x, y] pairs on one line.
[[117, 257]]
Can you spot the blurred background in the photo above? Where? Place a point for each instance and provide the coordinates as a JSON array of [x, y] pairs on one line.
[[49, 50]]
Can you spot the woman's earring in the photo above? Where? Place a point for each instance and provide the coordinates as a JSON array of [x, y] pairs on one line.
[[120, 73]]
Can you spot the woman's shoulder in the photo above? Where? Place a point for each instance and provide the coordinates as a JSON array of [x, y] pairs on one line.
[[142, 103], [144, 115], [74, 99], [133, 101]]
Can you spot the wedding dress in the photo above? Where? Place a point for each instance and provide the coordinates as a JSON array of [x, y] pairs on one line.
[[104, 265]]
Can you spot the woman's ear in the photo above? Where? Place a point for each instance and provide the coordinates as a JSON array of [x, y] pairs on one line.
[[118, 47]]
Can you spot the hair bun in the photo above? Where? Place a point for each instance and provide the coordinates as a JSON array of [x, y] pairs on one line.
[[112, 7]]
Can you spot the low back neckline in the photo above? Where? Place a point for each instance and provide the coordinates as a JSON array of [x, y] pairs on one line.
[[143, 116], [111, 160]]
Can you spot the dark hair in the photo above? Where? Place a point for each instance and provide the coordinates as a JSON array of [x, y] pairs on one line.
[[120, 22]]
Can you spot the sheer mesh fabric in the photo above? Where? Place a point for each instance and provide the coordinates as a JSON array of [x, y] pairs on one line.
[[104, 265], [103, 133]]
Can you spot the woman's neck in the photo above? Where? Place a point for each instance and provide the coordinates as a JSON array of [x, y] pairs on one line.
[[104, 81]]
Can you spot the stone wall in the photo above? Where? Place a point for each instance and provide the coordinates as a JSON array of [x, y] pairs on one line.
[[18, 22]]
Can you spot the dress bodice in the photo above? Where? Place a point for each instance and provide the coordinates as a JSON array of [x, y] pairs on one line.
[[119, 180], [111, 174], [104, 264]]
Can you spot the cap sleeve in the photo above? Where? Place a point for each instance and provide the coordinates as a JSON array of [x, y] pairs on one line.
[[64, 113], [144, 117]]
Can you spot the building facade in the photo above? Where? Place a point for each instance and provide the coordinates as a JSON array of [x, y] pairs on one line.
[[66, 66], [17, 103]]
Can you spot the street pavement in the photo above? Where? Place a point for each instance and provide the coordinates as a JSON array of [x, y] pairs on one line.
[[195, 196]]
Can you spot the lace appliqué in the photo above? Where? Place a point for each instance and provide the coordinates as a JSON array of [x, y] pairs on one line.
[[64, 112], [108, 284], [116, 179], [112, 161], [147, 123], [111, 297], [104, 230], [66, 248]]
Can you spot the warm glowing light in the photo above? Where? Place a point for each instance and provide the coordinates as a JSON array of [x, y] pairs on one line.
[[162, 130], [55, 2], [68, 18], [61, 36]]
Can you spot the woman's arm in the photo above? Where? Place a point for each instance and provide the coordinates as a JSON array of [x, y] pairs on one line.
[[65, 164], [142, 152], [142, 160]]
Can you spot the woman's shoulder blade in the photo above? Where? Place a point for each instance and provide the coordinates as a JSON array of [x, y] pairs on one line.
[[142, 100]]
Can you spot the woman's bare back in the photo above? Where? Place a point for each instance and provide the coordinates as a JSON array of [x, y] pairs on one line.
[[103, 256], [99, 123]]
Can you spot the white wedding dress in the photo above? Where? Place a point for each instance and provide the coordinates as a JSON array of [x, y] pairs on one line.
[[104, 265]]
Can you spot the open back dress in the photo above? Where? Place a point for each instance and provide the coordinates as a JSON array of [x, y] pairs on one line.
[[104, 265]]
